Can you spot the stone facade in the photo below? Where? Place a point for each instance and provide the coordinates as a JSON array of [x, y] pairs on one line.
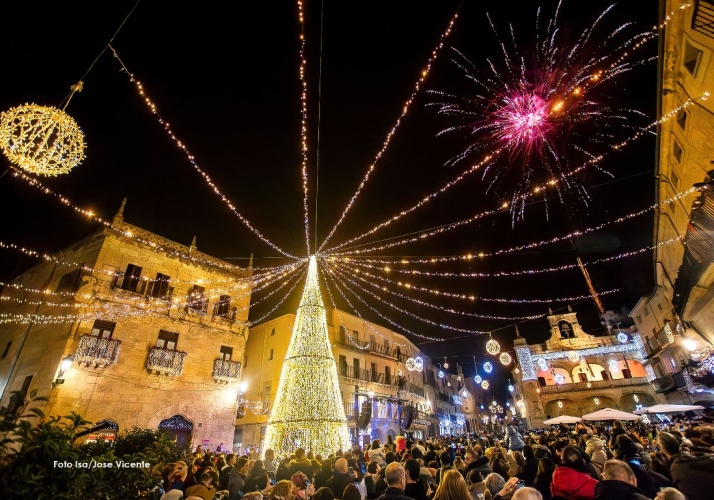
[[154, 330], [574, 373]]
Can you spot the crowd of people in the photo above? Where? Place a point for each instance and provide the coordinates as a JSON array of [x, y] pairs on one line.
[[618, 462]]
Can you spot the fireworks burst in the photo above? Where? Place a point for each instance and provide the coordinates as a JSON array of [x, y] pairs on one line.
[[545, 109]]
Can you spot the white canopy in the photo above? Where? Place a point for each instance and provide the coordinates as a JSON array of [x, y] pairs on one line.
[[610, 414], [563, 419], [668, 409]]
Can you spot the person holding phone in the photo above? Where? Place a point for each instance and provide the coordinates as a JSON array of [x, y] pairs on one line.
[[341, 477]]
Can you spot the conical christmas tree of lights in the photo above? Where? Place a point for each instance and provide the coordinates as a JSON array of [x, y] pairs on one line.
[[308, 411]]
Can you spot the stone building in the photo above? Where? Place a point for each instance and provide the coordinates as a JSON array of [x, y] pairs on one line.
[[127, 327], [372, 364], [574, 373], [677, 318]]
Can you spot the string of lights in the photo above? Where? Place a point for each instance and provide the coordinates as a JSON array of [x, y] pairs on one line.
[[404, 311], [334, 279], [591, 287], [528, 246], [498, 274], [90, 214], [471, 297], [538, 189], [405, 109], [152, 107], [367, 323], [303, 124], [355, 273], [271, 311]]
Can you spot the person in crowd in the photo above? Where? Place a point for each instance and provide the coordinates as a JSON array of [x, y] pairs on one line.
[[529, 470], [669, 494], [499, 464], [452, 487], [570, 480], [617, 430], [370, 481], [304, 489], [527, 493], [647, 481], [595, 447], [236, 479], [459, 464], [324, 474], [203, 489], [174, 475], [269, 461], [476, 484], [225, 471], [340, 478], [251, 496], [283, 471], [692, 475], [494, 484], [542, 450], [376, 454], [258, 477], [396, 481], [475, 462], [544, 477], [413, 486], [390, 444], [300, 464], [351, 493], [514, 440], [284, 490], [323, 493], [620, 483]]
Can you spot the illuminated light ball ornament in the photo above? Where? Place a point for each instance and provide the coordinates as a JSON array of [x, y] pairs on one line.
[[560, 404], [636, 398], [484, 385], [614, 366], [510, 388], [622, 337], [590, 384], [418, 364], [487, 367], [573, 356], [538, 390], [559, 379], [448, 384], [596, 400], [542, 364], [465, 394], [478, 379], [410, 364], [441, 374], [41, 139], [505, 358], [493, 347], [317, 424]]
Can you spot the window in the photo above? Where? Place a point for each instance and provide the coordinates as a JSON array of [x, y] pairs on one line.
[[167, 340], [270, 355], [355, 366], [692, 57], [103, 329], [387, 375], [160, 288], [70, 281], [267, 390], [647, 311], [272, 332], [355, 334], [226, 353], [374, 372], [197, 299], [682, 116], [677, 151], [131, 279], [675, 180], [241, 411], [223, 306], [638, 320], [7, 349]]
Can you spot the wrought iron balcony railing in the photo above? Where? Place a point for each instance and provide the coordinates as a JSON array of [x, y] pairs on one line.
[[165, 361], [225, 370], [595, 384], [97, 351]]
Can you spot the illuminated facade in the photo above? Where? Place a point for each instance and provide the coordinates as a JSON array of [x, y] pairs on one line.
[[677, 318], [574, 373], [371, 365], [154, 335]]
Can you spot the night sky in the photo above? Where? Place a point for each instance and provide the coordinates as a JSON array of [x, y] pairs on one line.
[[226, 77]]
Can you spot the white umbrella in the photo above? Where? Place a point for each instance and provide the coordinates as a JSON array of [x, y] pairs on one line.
[[563, 419], [668, 409], [610, 414]]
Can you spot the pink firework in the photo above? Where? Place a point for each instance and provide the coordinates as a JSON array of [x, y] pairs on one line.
[[547, 115]]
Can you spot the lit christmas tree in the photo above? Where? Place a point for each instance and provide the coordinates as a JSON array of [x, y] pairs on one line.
[[308, 411]]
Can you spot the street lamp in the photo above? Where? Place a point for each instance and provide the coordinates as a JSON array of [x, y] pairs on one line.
[[64, 366]]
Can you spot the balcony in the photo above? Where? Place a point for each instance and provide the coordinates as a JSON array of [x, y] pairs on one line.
[[444, 397], [165, 361], [370, 347], [419, 391], [223, 310], [703, 18], [225, 370], [366, 375], [670, 383], [196, 305], [595, 384], [97, 351]]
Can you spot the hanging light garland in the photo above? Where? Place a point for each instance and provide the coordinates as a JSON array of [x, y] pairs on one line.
[[487, 367], [303, 124], [505, 358], [405, 109], [42, 140], [484, 385]]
